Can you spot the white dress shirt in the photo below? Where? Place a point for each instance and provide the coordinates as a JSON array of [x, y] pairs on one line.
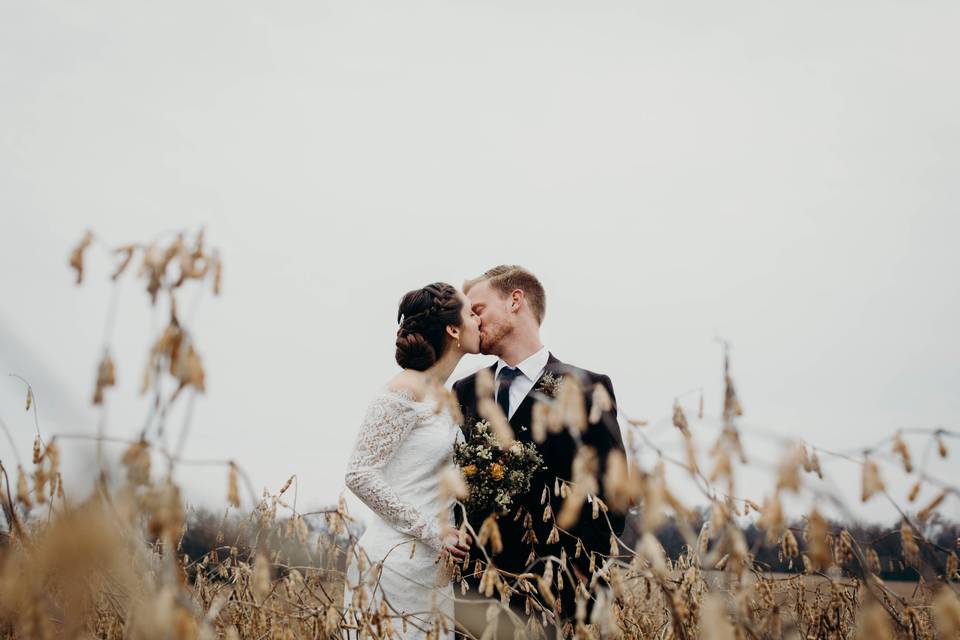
[[530, 371]]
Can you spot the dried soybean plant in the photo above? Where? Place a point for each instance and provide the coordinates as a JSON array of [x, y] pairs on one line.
[[118, 563], [114, 564]]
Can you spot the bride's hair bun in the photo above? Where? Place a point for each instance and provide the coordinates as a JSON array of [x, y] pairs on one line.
[[414, 352], [424, 315]]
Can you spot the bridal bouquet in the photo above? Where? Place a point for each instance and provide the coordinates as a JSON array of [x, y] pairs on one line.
[[493, 475]]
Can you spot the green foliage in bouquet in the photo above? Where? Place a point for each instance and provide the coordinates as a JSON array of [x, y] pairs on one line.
[[495, 476]]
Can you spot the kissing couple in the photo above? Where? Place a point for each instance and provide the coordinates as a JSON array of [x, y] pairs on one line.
[[401, 575]]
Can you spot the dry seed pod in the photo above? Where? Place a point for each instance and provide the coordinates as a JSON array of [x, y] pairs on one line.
[[599, 403], [484, 382], [261, 577], [620, 488], [233, 492], [951, 565], [490, 531], [872, 482], [924, 513], [217, 273], [789, 545], [771, 518], [493, 414], [188, 368], [910, 548], [650, 550], [137, 461], [915, 491], [679, 419], [818, 546], [900, 448], [538, 422], [703, 539], [569, 407], [554, 536], [543, 584], [286, 485], [488, 581], [843, 552], [106, 377], [40, 485], [452, 484], [29, 397], [815, 465], [731, 404], [23, 489], [941, 447], [127, 252], [76, 256], [788, 477]]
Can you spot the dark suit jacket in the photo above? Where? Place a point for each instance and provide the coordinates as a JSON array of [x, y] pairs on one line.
[[558, 452]]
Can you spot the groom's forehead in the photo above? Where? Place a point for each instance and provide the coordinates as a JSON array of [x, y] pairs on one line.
[[480, 292]]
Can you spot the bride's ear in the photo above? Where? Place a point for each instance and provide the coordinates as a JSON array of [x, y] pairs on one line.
[[453, 332]]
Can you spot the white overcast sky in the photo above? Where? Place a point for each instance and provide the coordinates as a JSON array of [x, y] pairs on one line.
[[784, 175]]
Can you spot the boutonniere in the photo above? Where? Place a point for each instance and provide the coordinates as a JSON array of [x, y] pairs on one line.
[[550, 385]]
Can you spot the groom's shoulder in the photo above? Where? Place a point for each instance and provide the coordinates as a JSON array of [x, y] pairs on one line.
[[584, 376], [465, 382]]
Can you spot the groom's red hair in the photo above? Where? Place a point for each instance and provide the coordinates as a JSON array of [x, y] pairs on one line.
[[507, 277]]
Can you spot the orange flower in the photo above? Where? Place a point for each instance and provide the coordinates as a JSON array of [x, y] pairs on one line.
[[469, 470], [496, 470]]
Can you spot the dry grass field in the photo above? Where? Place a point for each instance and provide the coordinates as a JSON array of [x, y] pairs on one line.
[[118, 563]]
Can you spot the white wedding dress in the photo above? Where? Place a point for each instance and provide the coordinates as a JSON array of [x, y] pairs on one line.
[[402, 447]]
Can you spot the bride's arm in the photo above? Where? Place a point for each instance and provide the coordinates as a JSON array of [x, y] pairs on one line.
[[388, 421]]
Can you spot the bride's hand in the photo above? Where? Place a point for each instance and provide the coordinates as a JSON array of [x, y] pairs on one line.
[[451, 542]]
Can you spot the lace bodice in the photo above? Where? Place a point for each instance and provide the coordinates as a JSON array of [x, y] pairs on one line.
[[401, 448]]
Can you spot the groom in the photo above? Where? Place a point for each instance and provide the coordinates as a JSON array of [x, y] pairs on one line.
[[510, 302]]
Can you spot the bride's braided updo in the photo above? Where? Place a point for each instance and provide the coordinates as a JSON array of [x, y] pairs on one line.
[[424, 315]]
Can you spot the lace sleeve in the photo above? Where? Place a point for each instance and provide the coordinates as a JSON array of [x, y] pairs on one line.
[[388, 421]]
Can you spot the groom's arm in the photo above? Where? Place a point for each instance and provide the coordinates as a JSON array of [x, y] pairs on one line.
[[604, 437]]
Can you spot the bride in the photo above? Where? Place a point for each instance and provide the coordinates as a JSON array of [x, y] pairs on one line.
[[402, 447]]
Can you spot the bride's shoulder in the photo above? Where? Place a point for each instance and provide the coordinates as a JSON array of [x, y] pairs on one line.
[[409, 384]]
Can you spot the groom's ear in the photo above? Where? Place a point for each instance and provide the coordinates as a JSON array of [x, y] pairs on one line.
[[516, 300]]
